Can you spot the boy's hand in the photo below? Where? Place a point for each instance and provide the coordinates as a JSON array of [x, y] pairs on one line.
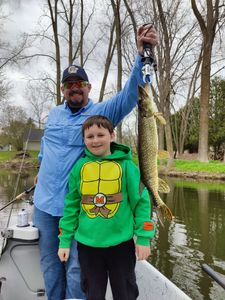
[[63, 254], [142, 252]]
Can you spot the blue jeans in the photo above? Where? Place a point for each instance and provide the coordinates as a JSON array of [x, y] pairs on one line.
[[62, 280]]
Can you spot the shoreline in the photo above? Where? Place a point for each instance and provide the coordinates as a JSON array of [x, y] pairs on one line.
[[16, 165], [194, 175], [27, 165]]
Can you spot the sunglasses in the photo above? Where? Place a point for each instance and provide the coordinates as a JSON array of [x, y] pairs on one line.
[[77, 84]]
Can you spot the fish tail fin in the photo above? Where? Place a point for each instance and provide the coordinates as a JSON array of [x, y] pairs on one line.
[[164, 213]]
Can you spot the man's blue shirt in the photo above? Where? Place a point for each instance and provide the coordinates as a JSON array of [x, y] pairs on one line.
[[62, 144]]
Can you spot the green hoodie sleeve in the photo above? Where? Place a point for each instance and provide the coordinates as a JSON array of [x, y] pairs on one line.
[[69, 222], [140, 205]]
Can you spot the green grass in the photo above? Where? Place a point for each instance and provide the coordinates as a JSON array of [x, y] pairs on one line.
[[194, 166], [7, 155], [10, 155], [179, 165]]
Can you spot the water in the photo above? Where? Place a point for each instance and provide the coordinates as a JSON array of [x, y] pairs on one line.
[[8, 181], [195, 237]]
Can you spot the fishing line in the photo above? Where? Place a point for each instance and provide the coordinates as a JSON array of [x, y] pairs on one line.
[[19, 174], [16, 187]]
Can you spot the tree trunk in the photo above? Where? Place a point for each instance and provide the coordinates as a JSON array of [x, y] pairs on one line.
[[165, 83], [168, 133], [207, 22], [116, 10], [204, 107], [54, 20], [111, 49]]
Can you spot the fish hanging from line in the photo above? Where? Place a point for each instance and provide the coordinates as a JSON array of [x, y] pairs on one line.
[[148, 152]]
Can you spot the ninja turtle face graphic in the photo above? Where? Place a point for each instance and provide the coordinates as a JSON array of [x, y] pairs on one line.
[[101, 188]]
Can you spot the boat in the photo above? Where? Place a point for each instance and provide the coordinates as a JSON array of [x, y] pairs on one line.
[[21, 278], [20, 273]]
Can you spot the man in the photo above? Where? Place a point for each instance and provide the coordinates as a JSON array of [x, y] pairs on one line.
[[62, 145]]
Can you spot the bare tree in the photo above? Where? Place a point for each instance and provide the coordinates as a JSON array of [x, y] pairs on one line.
[[180, 132], [4, 87], [13, 121], [176, 58], [108, 60], [208, 19], [116, 11], [53, 10], [67, 19], [9, 54], [39, 101]]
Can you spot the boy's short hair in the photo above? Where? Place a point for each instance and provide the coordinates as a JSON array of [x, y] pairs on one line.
[[100, 121]]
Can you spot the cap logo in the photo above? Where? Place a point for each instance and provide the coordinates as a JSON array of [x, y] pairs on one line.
[[72, 69]]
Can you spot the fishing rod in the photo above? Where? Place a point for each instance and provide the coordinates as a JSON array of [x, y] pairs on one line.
[[219, 278], [26, 192], [15, 190], [19, 173], [148, 60]]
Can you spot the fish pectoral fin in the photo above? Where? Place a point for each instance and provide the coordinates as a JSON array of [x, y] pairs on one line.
[[163, 187], [163, 154], [159, 117]]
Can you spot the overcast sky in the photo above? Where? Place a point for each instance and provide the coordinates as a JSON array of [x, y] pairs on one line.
[[23, 17]]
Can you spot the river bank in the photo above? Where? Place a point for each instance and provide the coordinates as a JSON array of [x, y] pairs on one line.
[[193, 175], [17, 164], [29, 163], [16, 160]]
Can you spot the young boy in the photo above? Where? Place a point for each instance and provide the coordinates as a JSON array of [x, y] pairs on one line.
[[103, 211]]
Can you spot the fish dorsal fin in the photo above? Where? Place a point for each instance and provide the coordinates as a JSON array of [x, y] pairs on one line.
[[163, 186], [159, 117]]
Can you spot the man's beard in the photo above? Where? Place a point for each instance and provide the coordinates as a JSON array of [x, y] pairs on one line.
[[77, 103]]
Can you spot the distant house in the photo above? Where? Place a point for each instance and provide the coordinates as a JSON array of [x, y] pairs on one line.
[[32, 139], [6, 147]]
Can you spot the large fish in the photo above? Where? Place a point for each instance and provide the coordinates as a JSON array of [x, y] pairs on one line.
[[148, 151]]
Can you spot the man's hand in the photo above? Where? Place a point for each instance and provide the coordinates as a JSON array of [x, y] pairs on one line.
[[146, 33], [142, 252], [63, 254]]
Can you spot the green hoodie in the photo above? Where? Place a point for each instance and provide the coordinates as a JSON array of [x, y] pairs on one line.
[[104, 207]]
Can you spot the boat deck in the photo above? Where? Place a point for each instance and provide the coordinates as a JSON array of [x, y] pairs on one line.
[[20, 266]]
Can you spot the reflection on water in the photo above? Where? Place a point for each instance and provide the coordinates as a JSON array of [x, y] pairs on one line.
[[196, 235], [8, 191]]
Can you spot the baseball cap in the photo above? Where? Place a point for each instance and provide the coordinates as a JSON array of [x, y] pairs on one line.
[[74, 70]]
